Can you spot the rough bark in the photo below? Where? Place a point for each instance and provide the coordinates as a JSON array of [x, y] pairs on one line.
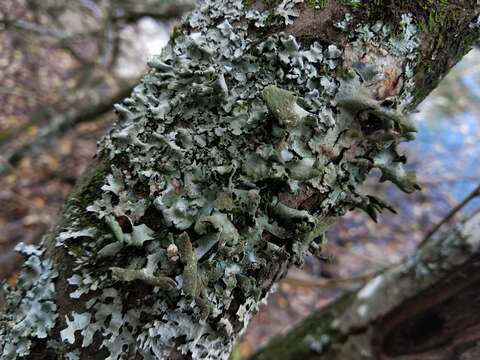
[[249, 136], [425, 308]]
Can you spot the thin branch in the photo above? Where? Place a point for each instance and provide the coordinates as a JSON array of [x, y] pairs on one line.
[[322, 283], [368, 258], [62, 123], [9, 135], [451, 214], [167, 11]]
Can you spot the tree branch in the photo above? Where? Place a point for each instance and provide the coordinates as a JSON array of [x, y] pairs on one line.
[[452, 213], [167, 10], [60, 124], [424, 308], [250, 135]]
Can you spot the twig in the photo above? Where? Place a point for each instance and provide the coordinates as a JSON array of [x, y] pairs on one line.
[[451, 214], [169, 10], [316, 283], [62, 123], [368, 258]]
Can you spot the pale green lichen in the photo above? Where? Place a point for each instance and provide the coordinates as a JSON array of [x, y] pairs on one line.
[[345, 22], [31, 309], [212, 168], [288, 10], [318, 343], [224, 122]]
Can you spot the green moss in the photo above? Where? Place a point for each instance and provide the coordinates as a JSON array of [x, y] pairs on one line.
[[438, 13], [429, 14], [237, 353], [248, 3], [316, 4], [353, 4], [176, 32], [85, 192]]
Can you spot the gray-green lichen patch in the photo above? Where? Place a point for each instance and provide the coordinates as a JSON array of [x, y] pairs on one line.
[[226, 121], [30, 307], [344, 24], [288, 10]]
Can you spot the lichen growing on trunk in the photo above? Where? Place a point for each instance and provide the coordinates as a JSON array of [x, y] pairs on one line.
[[32, 305], [234, 118]]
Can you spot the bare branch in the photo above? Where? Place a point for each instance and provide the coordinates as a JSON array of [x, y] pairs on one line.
[[62, 123]]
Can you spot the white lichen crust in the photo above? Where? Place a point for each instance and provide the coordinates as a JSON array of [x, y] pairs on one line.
[[223, 124]]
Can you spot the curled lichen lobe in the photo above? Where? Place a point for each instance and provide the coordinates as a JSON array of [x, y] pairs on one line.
[[227, 122]]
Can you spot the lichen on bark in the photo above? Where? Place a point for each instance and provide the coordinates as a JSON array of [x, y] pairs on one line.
[[195, 220]]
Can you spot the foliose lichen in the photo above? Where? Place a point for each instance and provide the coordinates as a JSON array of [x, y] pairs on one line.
[[30, 305], [224, 123]]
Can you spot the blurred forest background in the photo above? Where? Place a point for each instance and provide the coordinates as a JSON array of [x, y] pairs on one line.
[[63, 64]]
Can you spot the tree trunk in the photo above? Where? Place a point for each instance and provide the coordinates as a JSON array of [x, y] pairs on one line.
[[425, 308], [249, 136]]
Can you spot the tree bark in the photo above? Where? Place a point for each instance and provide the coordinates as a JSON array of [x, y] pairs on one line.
[[250, 135], [425, 308]]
